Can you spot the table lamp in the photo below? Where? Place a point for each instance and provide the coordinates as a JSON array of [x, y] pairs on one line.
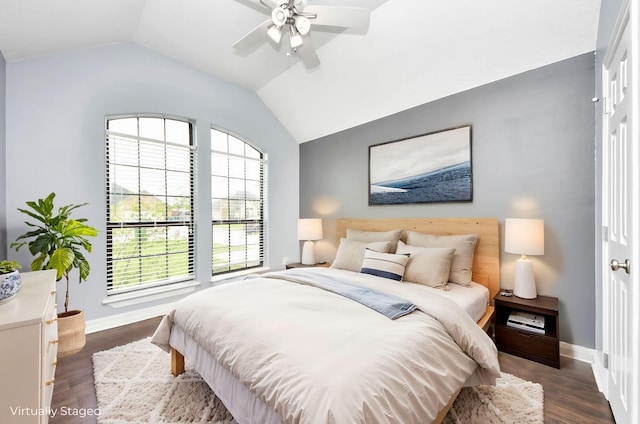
[[524, 237], [309, 230]]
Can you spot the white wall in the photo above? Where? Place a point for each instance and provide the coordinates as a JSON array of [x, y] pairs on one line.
[[55, 111]]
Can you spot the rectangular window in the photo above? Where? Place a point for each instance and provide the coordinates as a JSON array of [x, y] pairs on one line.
[[237, 202], [150, 202]]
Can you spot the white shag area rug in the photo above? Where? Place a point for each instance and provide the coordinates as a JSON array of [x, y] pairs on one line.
[[134, 385]]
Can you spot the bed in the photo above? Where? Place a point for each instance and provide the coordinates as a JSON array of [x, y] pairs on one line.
[[283, 347]]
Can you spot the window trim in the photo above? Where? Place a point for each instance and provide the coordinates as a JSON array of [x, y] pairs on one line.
[[149, 294]]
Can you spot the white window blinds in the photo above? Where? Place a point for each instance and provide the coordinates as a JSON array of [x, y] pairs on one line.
[[150, 172], [238, 178]]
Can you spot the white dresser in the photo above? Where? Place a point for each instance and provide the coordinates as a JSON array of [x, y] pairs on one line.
[[28, 347]]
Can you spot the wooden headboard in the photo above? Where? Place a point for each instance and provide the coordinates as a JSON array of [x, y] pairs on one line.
[[486, 260]]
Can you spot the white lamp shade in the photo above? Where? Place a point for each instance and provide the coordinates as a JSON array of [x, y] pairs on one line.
[[524, 236], [310, 229]]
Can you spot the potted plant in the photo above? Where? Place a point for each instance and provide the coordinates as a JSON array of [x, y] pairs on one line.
[[10, 281], [57, 242]]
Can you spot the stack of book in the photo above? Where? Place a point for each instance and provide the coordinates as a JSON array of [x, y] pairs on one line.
[[526, 321]]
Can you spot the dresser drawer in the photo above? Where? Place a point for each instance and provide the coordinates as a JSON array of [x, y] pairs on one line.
[[527, 344], [50, 344], [50, 333]]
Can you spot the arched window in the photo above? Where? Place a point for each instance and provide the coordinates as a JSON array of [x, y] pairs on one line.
[[238, 178]]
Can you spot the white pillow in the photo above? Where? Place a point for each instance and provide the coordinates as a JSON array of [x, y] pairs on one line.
[[427, 265], [462, 263], [391, 236], [351, 253], [385, 265]]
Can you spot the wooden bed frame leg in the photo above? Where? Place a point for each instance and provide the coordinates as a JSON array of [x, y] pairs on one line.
[[177, 362], [443, 412]]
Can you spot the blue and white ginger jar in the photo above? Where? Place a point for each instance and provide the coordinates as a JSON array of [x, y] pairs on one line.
[[10, 285]]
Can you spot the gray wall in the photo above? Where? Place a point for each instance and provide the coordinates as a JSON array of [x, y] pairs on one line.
[[532, 155], [3, 170], [609, 11], [56, 106]]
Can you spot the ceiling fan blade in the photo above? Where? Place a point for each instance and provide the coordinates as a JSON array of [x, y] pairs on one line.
[[272, 3], [254, 37], [308, 54], [348, 17], [262, 6]]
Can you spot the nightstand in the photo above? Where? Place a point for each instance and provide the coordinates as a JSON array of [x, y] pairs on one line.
[[299, 265], [543, 347]]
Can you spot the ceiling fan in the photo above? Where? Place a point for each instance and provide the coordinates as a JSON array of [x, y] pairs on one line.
[[294, 18]]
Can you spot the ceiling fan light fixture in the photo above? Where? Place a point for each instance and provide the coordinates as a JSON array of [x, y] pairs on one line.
[[279, 16], [275, 33], [299, 19], [295, 39], [303, 25]]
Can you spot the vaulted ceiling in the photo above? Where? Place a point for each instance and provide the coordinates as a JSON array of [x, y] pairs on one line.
[[415, 51]]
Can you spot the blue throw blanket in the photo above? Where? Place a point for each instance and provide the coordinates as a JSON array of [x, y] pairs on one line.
[[388, 305]]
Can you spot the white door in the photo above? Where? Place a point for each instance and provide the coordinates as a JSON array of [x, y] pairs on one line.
[[620, 215]]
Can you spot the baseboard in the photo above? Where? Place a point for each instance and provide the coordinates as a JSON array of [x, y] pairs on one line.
[[579, 353], [591, 357], [118, 320], [601, 375]]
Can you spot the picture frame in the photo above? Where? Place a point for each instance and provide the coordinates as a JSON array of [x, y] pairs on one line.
[[429, 168]]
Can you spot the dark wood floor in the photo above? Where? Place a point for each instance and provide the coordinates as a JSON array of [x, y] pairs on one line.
[[570, 393], [74, 387]]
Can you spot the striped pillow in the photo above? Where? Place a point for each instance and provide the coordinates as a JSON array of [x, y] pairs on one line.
[[386, 265]]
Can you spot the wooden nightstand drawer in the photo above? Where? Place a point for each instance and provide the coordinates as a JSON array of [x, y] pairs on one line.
[[530, 345]]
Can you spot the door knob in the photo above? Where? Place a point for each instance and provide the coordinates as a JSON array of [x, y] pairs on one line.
[[626, 265]]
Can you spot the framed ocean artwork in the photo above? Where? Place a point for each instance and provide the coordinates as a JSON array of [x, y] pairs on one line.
[[427, 168]]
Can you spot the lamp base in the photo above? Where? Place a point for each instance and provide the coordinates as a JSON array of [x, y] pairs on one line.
[[308, 256], [524, 285]]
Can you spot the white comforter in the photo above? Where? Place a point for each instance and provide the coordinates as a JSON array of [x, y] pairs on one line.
[[316, 357]]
